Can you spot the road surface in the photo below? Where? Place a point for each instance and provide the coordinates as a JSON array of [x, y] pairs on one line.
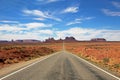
[[60, 66]]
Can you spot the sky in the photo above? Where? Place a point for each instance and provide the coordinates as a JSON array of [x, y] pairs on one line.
[[42, 19]]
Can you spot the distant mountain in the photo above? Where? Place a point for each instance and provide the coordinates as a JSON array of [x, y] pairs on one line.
[[70, 39], [52, 40], [67, 39], [2, 41], [98, 39], [27, 40]]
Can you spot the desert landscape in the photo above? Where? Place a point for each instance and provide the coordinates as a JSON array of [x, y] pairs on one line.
[[59, 40], [104, 54]]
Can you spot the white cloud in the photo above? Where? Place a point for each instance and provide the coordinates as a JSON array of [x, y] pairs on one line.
[[87, 34], [78, 33], [36, 13], [7, 27], [76, 21], [8, 32], [37, 25], [49, 32], [40, 14], [72, 9], [18, 32], [19, 36], [48, 1], [88, 18], [39, 19], [110, 13], [79, 20], [20, 27], [116, 4], [40, 34], [8, 21]]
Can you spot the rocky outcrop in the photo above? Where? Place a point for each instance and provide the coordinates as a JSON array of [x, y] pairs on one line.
[[70, 39], [67, 39], [98, 39]]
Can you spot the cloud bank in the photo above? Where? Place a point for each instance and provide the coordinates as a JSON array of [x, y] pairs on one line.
[[42, 33]]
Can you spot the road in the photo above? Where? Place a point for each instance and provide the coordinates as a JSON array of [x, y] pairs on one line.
[[60, 66]]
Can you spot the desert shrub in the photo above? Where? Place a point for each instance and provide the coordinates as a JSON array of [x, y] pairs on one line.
[[8, 61], [106, 60], [6, 48], [116, 65], [1, 60]]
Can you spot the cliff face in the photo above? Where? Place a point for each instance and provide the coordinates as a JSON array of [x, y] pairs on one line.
[[70, 39]]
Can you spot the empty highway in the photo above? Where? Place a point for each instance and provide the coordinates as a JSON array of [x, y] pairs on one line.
[[60, 66]]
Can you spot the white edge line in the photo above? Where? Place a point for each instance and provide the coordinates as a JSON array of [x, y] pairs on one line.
[[28, 66], [97, 67]]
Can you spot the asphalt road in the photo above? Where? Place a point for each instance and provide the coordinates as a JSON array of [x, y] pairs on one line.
[[60, 66]]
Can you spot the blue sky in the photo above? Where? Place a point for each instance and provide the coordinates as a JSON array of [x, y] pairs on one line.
[[41, 19]]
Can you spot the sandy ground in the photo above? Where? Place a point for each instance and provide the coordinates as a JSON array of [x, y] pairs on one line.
[[9, 68]]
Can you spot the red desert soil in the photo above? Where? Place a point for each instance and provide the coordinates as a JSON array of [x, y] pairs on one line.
[[105, 54]]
